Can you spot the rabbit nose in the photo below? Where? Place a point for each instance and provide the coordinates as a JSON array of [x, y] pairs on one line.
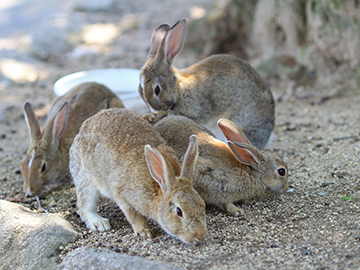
[[198, 240], [200, 236]]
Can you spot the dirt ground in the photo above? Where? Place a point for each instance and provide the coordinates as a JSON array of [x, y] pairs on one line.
[[314, 227]]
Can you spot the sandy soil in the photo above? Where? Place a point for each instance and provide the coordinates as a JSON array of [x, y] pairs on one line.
[[314, 227]]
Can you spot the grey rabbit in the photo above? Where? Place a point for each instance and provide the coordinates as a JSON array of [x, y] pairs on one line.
[[220, 86], [226, 172]]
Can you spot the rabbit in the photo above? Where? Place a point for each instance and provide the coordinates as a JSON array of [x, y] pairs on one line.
[[47, 158], [119, 155], [226, 172], [219, 86]]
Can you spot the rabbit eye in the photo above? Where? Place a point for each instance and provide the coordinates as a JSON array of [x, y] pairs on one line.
[[43, 168], [282, 172], [179, 212], [157, 90]]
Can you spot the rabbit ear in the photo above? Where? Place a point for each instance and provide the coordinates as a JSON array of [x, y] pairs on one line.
[[174, 40], [157, 167], [247, 154], [190, 158], [32, 122], [156, 39], [232, 132], [60, 121]]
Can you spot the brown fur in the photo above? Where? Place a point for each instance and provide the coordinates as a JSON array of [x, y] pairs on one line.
[[50, 146], [222, 175], [112, 156], [220, 86]]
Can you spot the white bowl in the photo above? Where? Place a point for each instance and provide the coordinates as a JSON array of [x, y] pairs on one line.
[[124, 82]]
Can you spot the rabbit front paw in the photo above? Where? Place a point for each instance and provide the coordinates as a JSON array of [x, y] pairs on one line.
[[233, 210], [145, 232], [97, 223], [154, 117]]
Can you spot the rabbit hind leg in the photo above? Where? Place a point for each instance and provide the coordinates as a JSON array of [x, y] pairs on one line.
[[115, 103], [233, 210]]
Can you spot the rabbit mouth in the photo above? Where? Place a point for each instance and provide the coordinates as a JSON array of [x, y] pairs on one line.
[[272, 189]]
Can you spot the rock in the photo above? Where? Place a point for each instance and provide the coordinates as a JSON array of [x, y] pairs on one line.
[[105, 259], [30, 240]]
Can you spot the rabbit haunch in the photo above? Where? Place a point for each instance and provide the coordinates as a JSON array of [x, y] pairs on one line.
[[220, 86], [119, 155], [48, 156], [226, 172]]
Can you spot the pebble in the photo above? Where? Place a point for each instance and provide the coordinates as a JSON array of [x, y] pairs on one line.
[[305, 251]]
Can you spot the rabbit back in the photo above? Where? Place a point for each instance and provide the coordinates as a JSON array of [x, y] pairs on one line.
[[117, 139]]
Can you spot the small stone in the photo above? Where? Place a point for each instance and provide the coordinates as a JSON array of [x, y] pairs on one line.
[[305, 251], [325, 184], [273, 245], [18, 172], [116, 249], [3, 136], [252, 249], [125, 249]]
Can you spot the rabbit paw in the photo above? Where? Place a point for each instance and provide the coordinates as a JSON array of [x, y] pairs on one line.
[[144, 233], [233, 210], [155, 117], [98, 223]]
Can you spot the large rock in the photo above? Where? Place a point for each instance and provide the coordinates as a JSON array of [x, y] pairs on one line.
[[92, 259], [29, 240]]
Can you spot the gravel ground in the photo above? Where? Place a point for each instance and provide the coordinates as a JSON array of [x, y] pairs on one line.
[[314, 227]]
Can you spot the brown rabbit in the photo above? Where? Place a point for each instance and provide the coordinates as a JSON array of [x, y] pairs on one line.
[[226, 173], [120, 155], [220, 86], [48, 156]]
